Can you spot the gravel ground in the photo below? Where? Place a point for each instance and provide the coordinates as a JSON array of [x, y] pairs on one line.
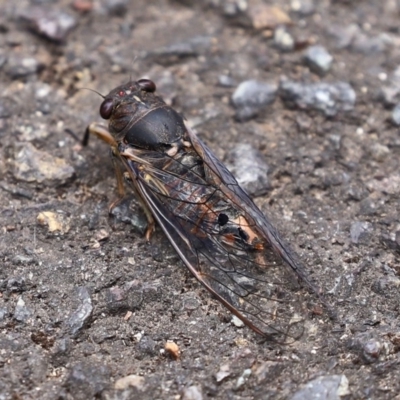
[[304, 94]]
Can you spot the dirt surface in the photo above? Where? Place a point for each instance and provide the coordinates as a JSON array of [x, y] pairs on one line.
[[85, 301]]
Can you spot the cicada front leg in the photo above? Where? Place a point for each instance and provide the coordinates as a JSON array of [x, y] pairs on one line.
[[102, 133]]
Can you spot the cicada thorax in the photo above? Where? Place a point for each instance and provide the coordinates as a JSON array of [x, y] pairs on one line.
[[140, 118]]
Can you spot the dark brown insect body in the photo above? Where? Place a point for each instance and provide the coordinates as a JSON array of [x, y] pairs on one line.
[[219, 233]]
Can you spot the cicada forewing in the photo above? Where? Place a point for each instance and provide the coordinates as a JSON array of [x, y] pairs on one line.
[[221, 236]]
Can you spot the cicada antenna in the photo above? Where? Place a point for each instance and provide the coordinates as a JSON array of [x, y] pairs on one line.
[[94, 91], [131, 71]]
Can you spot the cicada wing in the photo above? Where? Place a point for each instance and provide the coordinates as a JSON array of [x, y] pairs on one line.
[[218, 172], [249, 280], [188, 248]]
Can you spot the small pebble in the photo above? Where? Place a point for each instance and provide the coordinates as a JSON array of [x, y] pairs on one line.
[[192, 393], [251, 97], [81, 316], [3, 58], [226, 81], [396, 115], [368, 206], [237, 322], [124, 212], [8, 107], [329, 387], [265, 16], [116, 7], [368, 347], [16, 284], [101, 235], [382, 286], [56, 222], [223, 373], [249, 168], [173, 350], [147, 347], [390, 92], [54, 24], [255, 14], [87, 380], [134, 381], [21, 312], [303, 7], [370, 45], [19, 66], [267, 369], [243, 378], [283, 40], [22, 260], [329, 98], [127, 297], [360, 232], [379, 152], [172, 53], [3, 313], [32, 165], [390, 184], [318, 59], [372, 349]]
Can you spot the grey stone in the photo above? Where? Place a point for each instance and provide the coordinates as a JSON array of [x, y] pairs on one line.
[[329, 387], [21, 312], [303, 7], [192, 393], [176, 51], [33, 165], [250, 169], [360, 231], [318, 59], [19, 66], [396, 114], [125, 211], [54, 24], [283, 40], [81, 316], [251, 97], [329, 98], [87, 381]]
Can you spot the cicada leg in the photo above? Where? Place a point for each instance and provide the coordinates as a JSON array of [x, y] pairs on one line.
[[102, 133], [149, 216]]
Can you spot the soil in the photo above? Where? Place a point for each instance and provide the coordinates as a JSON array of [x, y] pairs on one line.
[[85, 301]]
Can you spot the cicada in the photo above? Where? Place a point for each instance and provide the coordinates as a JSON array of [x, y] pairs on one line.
[[221, 236]]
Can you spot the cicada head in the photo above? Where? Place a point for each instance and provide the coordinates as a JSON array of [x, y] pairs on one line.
[[141, 119]]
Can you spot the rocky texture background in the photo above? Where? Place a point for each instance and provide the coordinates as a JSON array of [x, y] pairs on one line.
[[303, 94]]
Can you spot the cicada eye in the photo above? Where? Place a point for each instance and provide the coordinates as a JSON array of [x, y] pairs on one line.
[[106, 108], [147, 85]]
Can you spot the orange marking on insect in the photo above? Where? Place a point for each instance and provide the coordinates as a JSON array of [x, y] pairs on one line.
[[202, 219], [258, 246], [253, 238], [207, 215], [229, 238]]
